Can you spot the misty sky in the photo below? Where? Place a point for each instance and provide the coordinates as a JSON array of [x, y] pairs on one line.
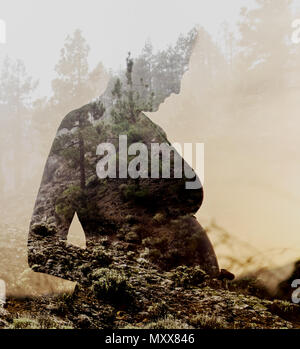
[[36, 29]]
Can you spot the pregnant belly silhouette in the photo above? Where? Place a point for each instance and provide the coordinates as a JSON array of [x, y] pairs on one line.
[[152, 217]]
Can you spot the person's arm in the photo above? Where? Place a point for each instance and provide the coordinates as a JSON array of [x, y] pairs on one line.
[[54, 209]]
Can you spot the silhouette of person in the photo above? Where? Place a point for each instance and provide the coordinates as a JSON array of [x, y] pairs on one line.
[[140, 213]]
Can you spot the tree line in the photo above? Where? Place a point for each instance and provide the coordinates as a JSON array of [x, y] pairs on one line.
[[256, 62]]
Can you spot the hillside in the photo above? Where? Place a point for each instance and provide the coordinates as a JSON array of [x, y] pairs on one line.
[[133, 293]]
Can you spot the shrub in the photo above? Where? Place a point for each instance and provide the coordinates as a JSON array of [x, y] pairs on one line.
[[64, 303], [44, 229], [101, 256], [67, 201], [132, 192], [130, 218], [207, 322], [132, 236], [159, 218], [168, 323], [158, 310], [250, 285], [111, 285], [24, 324], [184, 276], [52, 323]]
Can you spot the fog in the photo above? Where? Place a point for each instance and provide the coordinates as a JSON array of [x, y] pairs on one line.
[[246, 115], [36, 30]]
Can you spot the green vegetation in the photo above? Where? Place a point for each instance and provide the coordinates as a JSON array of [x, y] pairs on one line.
[[158, 310], [44, 229], [24, 323], [74, 199], [128, 102], [112, 285], [101, 255], [64, 303], [167, 323], [40, 322], [69, 200], [159, 218], [133, 192], [186, 277], [208, 322]]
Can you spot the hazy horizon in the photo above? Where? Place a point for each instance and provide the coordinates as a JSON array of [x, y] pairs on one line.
[[36, 30]]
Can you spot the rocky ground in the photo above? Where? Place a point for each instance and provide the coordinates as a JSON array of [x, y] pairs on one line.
[[133, 293]]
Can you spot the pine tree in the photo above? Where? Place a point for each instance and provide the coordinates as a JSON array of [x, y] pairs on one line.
[[16, 88], [127, 101], [75, 84], [264, 50]]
